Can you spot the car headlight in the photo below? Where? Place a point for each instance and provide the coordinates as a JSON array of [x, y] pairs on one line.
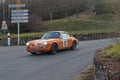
[[27, 44], [45, 43]]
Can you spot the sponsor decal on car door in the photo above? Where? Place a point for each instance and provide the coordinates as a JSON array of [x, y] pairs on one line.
[[65, 39], [65, 42]]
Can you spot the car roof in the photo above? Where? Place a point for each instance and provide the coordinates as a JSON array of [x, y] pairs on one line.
[[59, 31]]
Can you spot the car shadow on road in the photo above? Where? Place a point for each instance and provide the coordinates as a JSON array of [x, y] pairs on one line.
[[60, 52]]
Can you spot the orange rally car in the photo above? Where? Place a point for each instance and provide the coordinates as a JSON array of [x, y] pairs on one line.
[[51, 42]]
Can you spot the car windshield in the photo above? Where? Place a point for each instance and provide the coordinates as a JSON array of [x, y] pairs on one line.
[[49, 35]]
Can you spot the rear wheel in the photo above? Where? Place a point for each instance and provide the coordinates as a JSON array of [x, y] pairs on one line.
[[54, 49], [74, 45]]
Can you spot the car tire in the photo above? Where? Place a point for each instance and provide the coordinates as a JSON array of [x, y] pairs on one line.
[[74, 45], [54, 49]]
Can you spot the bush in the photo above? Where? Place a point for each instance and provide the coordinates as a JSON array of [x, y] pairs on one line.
[[114, 50]]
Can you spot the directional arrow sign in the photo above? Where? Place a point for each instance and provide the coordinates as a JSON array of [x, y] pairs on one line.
[[16, 5], [19, 14], [19, 11], [19, 21]]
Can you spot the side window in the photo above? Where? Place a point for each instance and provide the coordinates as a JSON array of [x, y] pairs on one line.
[[65, 36], [56, 35], [68, 36]]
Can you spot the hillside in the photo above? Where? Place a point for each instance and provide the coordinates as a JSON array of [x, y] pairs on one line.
[[84, 24]]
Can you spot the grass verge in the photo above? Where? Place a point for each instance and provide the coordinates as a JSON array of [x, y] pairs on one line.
[[114, 50], [86, 74]]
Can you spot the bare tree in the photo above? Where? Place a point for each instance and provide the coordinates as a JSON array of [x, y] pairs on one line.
[[78, 4], [66, 6], [49, 9]]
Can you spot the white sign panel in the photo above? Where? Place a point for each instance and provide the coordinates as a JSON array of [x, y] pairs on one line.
[[19, 11], [19, 21], [4, 25], [19, 14], [16, 5], [19, 18]]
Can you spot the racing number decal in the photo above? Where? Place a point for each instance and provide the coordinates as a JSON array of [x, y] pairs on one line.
[[65, 43]]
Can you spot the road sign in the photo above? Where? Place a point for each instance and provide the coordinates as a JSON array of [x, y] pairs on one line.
[[19, 18], [16, 5], [19, 11], [4, 25], [19, 21], [19, 14]]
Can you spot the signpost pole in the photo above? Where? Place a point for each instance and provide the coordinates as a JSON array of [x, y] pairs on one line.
[[3, 14], [4, 17], [4, 38], [4, 27], [4, 32], [18, 33], [18, 8]]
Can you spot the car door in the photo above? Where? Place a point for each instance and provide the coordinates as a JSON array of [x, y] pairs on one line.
[[66, 40], [69, 40]]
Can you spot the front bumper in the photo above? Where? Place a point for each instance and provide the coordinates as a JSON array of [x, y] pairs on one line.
[[36, 48]]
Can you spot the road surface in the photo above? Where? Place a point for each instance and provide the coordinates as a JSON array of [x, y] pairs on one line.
[[17, 64]]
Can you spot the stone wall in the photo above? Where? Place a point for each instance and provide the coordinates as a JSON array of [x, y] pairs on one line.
[[94, 36], [106, 68]]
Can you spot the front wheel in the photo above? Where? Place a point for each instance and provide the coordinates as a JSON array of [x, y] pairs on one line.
[[74, 45], [54, 49]]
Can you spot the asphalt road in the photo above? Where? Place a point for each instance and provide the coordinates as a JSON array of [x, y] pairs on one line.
[[17, 64]]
